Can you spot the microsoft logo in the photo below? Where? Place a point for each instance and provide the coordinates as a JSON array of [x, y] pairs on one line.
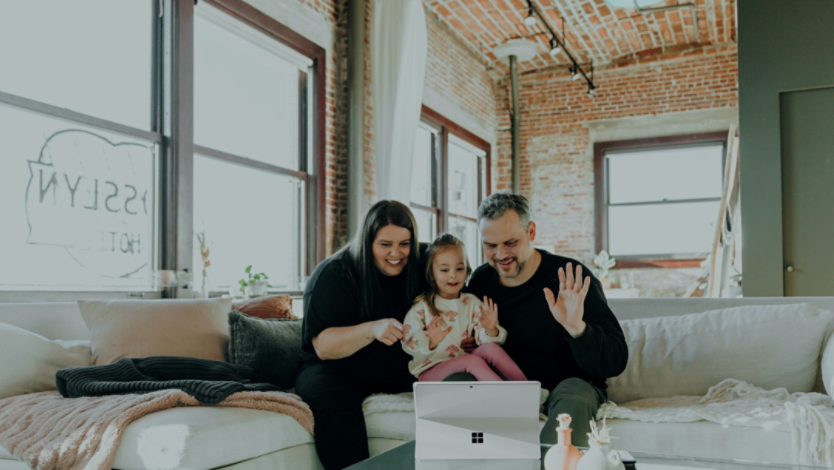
[[477, 438]]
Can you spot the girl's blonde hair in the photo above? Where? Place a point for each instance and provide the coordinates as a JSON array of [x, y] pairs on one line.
[[444, 242]]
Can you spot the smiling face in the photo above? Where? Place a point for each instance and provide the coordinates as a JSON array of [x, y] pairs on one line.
[[508, 244], [449, 271], [391, 248]]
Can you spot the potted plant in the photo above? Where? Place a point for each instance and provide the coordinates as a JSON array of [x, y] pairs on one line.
[[254, 285], [604, 262]]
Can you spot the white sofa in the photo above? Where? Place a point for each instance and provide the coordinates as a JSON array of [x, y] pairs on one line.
[[207, 437]]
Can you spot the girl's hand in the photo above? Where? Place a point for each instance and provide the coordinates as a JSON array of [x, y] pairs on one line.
[[437, 331], [489, 316], [388, 331]]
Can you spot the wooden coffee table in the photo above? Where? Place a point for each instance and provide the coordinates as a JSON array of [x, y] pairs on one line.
[[402, 458]]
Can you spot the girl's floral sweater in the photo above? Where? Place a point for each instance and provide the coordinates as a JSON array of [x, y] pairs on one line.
[[462, 314]]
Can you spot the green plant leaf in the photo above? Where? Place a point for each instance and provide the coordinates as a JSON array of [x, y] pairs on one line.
[[249, 269], [257, 277]]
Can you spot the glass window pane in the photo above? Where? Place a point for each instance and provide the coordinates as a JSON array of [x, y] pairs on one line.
[[90, 56], [421, 182], [467, 232], [248, 216], [246, 95], [666, 174], [463, 181], [662, 229], [426, 223], [79, 209]]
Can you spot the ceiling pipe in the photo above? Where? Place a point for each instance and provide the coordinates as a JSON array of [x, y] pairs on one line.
[[515, 126]]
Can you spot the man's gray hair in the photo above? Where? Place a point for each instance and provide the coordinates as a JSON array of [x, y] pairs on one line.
[[497, 204]]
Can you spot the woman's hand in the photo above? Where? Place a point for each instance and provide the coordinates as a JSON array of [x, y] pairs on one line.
[[489, 316], [437, 331], [388, 331]]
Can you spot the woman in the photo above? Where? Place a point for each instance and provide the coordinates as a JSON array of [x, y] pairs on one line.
[[354, 305]]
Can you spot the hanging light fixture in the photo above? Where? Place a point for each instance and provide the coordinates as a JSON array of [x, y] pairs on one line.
[[555, 48], [531, 18], [592, 91], [574, 72]]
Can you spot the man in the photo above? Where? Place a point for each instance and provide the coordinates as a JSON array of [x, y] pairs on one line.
[[560, 330]]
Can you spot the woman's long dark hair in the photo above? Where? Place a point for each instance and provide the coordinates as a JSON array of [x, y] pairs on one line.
[[360, 252]]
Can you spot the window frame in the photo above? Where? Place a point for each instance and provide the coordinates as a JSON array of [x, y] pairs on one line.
[[601, 193], [440, 182], [172, 130]]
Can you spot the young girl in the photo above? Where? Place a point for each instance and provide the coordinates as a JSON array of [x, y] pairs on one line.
[[441, 318]]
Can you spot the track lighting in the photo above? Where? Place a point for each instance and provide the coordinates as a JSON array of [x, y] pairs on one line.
[[555, 49], [592, 91]]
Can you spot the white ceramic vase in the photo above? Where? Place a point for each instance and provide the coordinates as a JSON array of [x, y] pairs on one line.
[[600, 457]]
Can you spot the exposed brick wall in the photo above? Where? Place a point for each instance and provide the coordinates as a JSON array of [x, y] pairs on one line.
[[556, 155], [451, 71], [336, 126]]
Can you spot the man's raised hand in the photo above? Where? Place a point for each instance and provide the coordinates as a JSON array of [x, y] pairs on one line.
[[568, 307]]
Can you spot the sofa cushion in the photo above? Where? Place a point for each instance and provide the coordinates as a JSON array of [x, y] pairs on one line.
[[272, 306], [28, 361], [770, 346], [269, 346], [205, 437], [142, 328]]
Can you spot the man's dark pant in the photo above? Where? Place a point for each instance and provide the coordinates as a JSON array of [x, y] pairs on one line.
[[335, 397], [574, 396]]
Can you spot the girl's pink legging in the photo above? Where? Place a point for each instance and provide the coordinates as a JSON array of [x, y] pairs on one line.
[[489, 362]]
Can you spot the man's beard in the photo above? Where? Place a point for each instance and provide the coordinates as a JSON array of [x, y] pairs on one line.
[[510, 275]]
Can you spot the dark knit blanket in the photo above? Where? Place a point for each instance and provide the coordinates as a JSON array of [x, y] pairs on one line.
[[210, 382]]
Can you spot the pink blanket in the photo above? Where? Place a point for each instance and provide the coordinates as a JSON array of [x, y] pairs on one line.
[[48, 431]]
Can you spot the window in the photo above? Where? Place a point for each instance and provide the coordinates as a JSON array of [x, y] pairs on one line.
[[251, 153], [424, 201], [110, 166], [659, 198], [451, 177], [79, 170]]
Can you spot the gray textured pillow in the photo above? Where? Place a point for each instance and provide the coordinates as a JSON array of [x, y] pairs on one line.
[[269, 346]]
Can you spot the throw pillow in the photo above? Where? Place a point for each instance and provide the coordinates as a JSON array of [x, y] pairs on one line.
[[769, 346], [28, 361], [269, 346], [142, 328], [273, 306]]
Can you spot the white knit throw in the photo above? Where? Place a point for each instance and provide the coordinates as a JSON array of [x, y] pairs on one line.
[[808, 417]]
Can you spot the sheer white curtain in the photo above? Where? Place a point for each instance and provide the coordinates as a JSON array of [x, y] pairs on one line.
[[398, 63]]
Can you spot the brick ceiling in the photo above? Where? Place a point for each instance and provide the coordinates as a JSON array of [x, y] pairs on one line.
[[595, 31]]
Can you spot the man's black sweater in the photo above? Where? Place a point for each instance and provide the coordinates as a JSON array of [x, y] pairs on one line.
[[538, 343]]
